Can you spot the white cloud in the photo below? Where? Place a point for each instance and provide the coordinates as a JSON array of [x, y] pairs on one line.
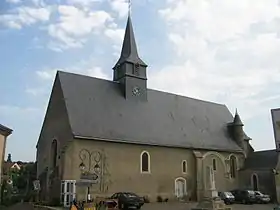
[[18, 111], [218, 56], [13, 1], [46, 74], [25, 16], [88, 68], [35, 91], [120, 6], [115, 34], [40, 3], [83, 2], [96, 72], [74, 25]]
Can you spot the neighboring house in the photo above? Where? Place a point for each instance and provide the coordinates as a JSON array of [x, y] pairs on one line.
[[12, 166], [260, 170], [138, 139], [4, 133]]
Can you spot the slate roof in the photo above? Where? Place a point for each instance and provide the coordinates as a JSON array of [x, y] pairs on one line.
[[266, 159], [5, 130], [237, 119], [97, 110]]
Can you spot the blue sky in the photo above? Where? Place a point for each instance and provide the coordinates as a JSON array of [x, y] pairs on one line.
[[222, 51]]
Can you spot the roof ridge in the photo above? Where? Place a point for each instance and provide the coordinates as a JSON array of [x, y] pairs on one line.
[[149, 89], [267, 150]]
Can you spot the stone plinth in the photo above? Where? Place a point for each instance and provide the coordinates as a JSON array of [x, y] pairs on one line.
[[211, 204]]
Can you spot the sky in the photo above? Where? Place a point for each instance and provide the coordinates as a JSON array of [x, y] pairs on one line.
[[221, 51]]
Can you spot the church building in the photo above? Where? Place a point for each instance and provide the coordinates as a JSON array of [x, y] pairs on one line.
[[121, 136]]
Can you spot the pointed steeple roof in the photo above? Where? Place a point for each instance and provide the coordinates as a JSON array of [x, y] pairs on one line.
[[129, 49], [237, 120]]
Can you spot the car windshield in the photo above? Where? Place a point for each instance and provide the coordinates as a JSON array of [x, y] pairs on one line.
[[130, 195], [258, 193], [228, 194], [251, 192]]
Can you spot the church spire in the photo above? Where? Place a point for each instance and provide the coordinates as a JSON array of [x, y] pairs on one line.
[[237, 120], [130, 71], [129, 51]]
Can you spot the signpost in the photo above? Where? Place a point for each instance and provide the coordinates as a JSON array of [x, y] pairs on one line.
[[37, 188], [90, 167]]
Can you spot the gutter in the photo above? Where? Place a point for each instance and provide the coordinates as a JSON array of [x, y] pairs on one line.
[[152, 144]]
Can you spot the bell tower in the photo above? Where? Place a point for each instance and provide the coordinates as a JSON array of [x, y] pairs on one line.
[[130, 69]]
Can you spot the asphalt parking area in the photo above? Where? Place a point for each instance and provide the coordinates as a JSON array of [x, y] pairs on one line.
[[187, 206]]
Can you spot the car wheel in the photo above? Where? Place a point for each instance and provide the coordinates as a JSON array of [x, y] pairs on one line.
[[243, 201]]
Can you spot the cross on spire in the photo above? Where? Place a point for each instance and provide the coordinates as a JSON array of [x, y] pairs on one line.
[[129, 7]]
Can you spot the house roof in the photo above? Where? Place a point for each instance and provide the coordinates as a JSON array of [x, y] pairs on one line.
[[5, 130], [97, 110], [266, 159]]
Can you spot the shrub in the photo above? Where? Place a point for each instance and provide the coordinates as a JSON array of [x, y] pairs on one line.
[[159, 199], [12, 200], [146, 199]]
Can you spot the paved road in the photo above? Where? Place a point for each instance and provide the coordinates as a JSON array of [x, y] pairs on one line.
[[20, 206], [183, 206], [164, 206]]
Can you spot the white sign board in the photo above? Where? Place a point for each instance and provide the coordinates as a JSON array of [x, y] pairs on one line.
[[36, 185], [275, 113]]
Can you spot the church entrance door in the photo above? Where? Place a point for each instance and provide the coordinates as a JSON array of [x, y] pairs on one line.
[[180, 187]]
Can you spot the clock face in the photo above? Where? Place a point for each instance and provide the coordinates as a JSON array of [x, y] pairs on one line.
[[136, 91]]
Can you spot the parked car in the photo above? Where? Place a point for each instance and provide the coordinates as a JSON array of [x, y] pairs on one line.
[[244, 196], [262, 198], [128, 200], [227, 197]]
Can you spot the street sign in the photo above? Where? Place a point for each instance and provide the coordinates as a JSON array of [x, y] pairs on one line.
[[89, 176], [36, 185], [85, 182], [88, 179]]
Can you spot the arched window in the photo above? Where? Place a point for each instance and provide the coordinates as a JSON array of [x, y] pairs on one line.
[[145, 162], [233, 166], [53, 154], [184, 167], [255, 184], [214, 165]]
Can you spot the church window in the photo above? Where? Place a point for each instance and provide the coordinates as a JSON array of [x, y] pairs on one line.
[[214, 164], [184, 166], [233, 168], [54, 154], [145, 162]]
